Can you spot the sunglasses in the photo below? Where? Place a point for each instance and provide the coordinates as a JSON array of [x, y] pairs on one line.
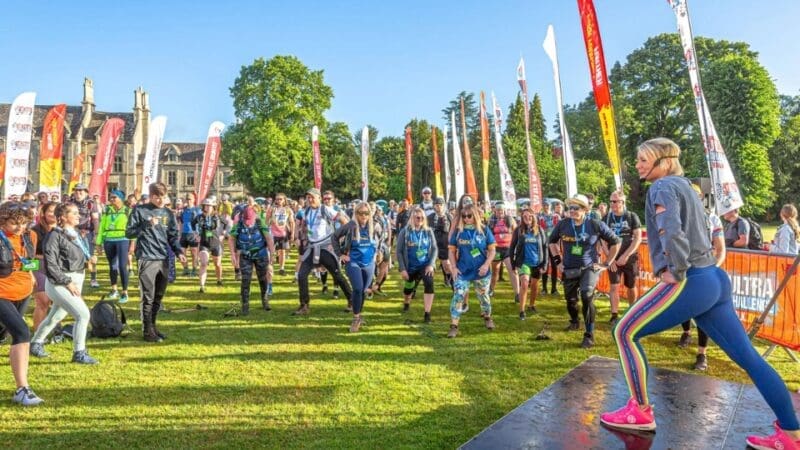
[[326, 198], [419, 217], [466, 216], [617, 201], [574, 208], [363, 213]]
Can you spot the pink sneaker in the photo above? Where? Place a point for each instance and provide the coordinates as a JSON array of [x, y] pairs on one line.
[[778, 441], [630, 417]]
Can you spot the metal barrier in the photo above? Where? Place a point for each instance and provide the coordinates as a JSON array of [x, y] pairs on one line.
[[755, 275]]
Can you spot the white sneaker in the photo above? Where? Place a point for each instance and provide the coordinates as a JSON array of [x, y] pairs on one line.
[[26, 397], [94, 284]]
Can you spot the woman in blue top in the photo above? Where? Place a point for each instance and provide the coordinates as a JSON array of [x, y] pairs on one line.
[[358, 256], [528, 258], [472, 249], [416, 256], [691, 286]]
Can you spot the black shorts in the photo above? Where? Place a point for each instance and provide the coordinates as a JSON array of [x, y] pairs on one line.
[[500, 253], [413, 280], [629, 272], [190, 240], [281, 243]]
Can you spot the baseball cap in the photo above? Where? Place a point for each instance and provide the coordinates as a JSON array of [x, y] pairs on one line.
[[315, 192], [426, 190], [438, 201], [80, 187]]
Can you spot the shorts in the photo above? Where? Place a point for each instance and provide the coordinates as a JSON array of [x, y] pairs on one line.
[[383, 253], [190, 240], [501, 253], [629, 272], [40, 277], [533, 272], [413, 280], [214, 250], [281, 242]]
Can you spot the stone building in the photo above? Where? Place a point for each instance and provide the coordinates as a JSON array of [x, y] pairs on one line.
[[83, 125]]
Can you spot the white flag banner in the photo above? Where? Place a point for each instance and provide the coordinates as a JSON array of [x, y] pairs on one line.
[[18, 145], [726, 192], [155, 135], [549, 45], [506, 183], [448, 184], [365, 164], [458, 165]]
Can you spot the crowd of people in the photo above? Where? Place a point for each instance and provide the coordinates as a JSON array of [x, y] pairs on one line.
[[48, 246]]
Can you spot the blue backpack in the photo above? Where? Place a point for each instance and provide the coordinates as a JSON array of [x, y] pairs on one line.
[[251, 241]]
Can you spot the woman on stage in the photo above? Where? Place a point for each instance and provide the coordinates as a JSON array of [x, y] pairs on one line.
[[691, 286]]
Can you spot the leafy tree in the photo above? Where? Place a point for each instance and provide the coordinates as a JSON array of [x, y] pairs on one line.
[[388, 156], [790, 107], [276, 102], [594, 177], [785, 156]]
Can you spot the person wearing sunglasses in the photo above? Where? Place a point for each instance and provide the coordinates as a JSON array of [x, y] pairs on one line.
[[472, 249], [627, 226], [575, 243], [529, 257], [690, 286], [416, 258], [356, 245]]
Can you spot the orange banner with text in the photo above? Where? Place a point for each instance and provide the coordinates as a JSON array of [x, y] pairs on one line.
[[754, 278]]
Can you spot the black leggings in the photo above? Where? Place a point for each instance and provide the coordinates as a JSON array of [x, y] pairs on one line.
[[702, 337], [13, 322]]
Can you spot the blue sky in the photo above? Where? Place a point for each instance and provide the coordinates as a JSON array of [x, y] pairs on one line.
[[387, 62]]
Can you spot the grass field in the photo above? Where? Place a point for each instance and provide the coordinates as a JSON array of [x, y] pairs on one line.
[[276, 381]]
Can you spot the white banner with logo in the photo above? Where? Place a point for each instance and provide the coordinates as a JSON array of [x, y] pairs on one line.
[[18, 145]]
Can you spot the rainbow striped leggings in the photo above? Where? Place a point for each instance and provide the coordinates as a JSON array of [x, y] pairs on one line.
[[704, 295]]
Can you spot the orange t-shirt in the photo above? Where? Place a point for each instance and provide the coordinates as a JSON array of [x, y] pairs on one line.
[[19, 285]]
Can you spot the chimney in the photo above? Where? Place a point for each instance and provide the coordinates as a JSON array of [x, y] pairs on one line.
[[87, 105]]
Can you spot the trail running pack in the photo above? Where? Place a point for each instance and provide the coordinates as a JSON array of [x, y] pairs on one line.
[[250, 240], [755, 240]]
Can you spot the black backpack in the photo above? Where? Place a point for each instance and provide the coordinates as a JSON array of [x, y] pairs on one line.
[[107, 319], [755, 241]]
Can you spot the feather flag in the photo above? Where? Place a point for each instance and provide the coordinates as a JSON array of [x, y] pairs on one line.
[[365, 164], [448, 183], [437, 168], [726, 191], [549, 46], [469, 173], [535, 184], [507, 185], [18, 145], [409, 154], [155, 135], [104, 159], [50, 155], [317, 158], [485, 148], [600, 86], [210, 160], [458, 168]]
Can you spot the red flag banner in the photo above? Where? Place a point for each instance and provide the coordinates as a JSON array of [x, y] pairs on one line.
[[210, 160], [104, 159], [485, 147], [50, 154], [534, 183], [469, 173], [409, 151], [316, 157], [602, 92]]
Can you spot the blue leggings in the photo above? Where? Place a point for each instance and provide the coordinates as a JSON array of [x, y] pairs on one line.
[[117, 255], [360, 279], [704, 295]]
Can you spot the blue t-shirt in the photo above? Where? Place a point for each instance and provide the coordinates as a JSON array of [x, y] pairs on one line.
[[532, 257], [418, 248], [472, 247], [187, 216], [579, 242], [362, 251]]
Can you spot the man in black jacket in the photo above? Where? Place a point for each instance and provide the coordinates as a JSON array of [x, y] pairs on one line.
[[155, 229]]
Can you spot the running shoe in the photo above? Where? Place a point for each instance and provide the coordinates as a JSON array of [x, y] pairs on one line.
[[26, 397], [123, 299], [453, 331], [94, 284], [82, 357], [701, 363], [113, 295], [778, 441], [37, 350], [630, 417], [686, 339]]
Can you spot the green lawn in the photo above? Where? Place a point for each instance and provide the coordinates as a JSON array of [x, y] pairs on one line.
[[277, 381]]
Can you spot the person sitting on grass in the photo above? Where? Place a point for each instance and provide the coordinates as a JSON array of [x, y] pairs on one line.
[[472, 249]]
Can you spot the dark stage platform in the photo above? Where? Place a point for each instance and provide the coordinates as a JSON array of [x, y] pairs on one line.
[[692, 412]]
